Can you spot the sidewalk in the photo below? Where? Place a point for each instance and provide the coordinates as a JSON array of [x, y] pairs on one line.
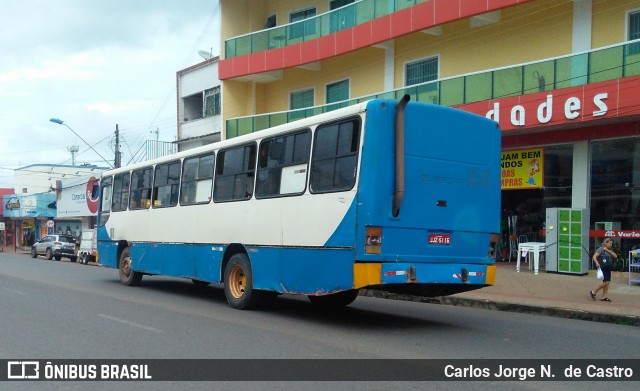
[[562, 295]]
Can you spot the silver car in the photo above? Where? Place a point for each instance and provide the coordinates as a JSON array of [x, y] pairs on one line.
[[55, 246]]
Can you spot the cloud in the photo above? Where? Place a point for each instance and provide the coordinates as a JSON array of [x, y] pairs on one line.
[[75, 67], [94, 64]]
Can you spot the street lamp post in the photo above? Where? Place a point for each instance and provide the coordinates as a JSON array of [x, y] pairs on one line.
[[61, 122]]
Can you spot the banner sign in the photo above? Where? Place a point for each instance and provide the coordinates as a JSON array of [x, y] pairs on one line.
[[78, 197], [610, 370], [522, 169], [29, 206]]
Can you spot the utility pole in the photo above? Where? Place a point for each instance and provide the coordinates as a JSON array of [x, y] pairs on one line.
[[118, 154]]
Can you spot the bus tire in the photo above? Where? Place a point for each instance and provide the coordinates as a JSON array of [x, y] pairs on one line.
[[128, 277], [238, 283], [334, 300]]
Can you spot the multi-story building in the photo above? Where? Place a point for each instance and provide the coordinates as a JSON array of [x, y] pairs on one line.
[[199, 105], [561, 77]]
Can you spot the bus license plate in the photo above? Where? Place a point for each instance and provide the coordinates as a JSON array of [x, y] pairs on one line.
[[439, 239]]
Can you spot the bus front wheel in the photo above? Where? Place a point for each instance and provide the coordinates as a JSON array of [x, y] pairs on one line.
[[334, 300], [127, 275], [238, 283]]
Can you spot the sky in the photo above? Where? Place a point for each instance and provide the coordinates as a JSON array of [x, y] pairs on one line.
[[94, 64]]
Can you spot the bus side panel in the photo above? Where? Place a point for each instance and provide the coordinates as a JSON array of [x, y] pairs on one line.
[[107, 249], [199, 261], [302, 270], [344, 234], [145, 257]]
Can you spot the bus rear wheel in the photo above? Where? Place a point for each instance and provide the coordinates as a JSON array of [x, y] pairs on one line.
[[128, 277], [334, 300], [238, 283]]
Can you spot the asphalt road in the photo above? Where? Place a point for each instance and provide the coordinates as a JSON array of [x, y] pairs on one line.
[[64, 310]]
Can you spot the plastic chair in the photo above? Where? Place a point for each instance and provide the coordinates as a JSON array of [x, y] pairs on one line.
[[513, 246]]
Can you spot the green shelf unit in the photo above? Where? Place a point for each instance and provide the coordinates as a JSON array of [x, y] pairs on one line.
[[567, 238]]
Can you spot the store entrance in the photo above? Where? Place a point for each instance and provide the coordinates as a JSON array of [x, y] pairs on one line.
[[523, 216]]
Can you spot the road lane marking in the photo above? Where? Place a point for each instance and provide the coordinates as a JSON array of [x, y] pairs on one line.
[[140, 326]]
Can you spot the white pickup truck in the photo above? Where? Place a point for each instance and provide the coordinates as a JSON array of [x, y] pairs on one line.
[[88, 247]]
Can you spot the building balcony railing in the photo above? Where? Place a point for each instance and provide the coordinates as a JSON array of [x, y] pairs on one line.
[[607, 63], [315, 27]]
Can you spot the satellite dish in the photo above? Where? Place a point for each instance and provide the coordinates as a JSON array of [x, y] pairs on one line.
[[204, 54]]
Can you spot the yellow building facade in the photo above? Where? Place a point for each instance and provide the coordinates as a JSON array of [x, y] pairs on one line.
[[559, 76]]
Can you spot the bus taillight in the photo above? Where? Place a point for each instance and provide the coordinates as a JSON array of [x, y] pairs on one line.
[[373, 240]]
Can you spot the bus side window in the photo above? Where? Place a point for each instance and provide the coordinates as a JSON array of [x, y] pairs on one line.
[[141, 189], [120, 195], [105, 206], [282, 165], [235, 171], [197, 180], [165, 184], [335, 156]]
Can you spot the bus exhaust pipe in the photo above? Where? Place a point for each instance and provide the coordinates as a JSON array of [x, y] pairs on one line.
[[399, 136]]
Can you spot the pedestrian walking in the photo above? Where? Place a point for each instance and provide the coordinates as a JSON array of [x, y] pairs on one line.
[[603, 258]]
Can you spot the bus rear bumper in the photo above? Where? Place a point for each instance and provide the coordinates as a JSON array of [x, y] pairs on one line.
[[377, 274]]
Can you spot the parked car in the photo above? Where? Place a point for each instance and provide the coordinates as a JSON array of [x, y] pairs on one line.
[[55, 246], [88, 249]]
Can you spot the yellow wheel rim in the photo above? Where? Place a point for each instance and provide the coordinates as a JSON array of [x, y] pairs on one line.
[[237, 281]]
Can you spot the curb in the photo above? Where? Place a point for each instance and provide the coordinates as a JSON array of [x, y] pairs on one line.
[[558, 312]]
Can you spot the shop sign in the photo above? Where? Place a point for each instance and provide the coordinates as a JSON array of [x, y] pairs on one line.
[[13, 203], [589, 102], [537, 114], [522, 169], [615, 234]]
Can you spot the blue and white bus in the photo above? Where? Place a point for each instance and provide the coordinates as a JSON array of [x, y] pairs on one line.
[[389, 195]]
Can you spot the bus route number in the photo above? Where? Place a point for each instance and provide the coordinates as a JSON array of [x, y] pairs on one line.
[[439, 239]]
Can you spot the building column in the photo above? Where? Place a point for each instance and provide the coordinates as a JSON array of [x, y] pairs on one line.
[[581, 39], [389, 65], [581, 182]]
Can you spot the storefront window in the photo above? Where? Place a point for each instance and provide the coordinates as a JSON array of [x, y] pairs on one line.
[[615, 184]]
